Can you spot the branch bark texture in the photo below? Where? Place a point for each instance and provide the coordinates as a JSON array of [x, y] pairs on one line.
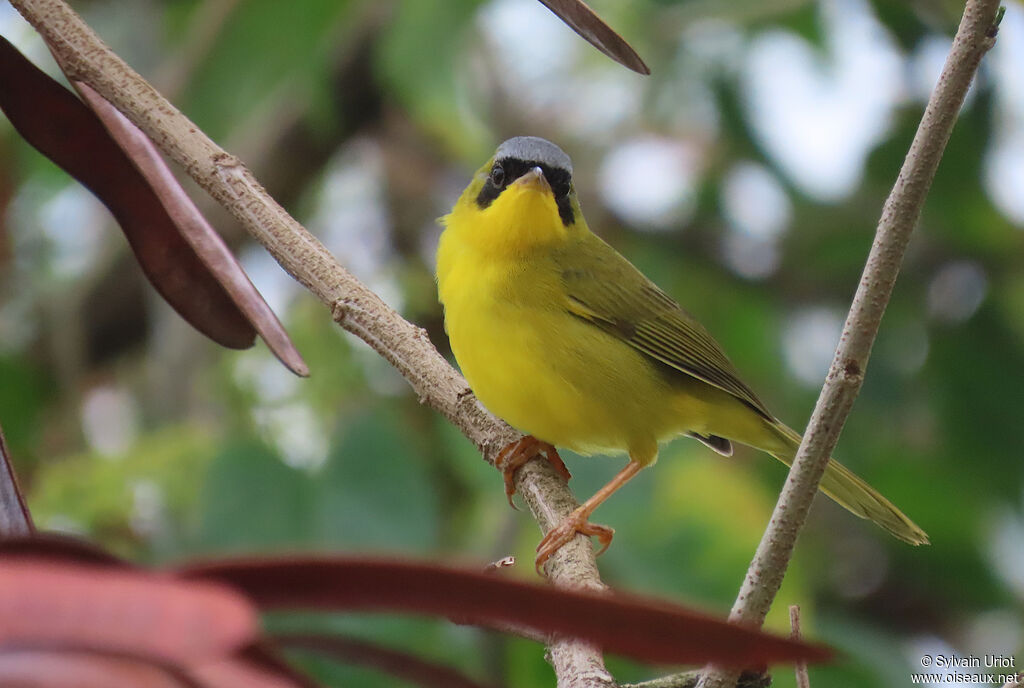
[[974, 37], [15, 519], [802, 679], [86, 58]]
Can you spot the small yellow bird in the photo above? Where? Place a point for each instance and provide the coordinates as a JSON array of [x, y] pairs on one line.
[[562, 337]]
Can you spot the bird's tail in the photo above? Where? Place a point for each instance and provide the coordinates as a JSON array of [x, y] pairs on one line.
[[851, 492]]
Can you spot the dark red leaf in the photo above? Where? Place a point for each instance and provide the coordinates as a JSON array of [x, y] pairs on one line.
[[394, 662], [65, 130], [79, 669], [14, 515], [48, 605], [56, 546], [646, 629], [186, 218], [236, 673], [592, 28], [265, 657]]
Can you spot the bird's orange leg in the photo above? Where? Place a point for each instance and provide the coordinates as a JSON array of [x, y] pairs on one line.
[[577, 521], [519, 452]]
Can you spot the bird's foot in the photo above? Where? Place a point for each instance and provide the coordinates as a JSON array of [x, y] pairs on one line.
[[515, 454], [576, 522]]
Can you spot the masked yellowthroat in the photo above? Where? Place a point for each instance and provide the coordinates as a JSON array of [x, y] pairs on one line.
[[562, 337]]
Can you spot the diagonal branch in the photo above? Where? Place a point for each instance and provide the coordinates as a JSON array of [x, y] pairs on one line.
[[802, 679], [974, 37], [15, 518], [357, 309]]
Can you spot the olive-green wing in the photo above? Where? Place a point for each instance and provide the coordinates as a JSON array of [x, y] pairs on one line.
[[605, 289]]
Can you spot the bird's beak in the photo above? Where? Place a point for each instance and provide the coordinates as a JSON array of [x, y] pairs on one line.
[[534, 180]]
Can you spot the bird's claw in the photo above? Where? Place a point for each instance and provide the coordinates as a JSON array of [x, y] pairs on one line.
[[561, 534], [515, 454]]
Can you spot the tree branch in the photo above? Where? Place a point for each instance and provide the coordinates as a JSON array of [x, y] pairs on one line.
[[357, 309], [902, 209], [802, 679], [689, 679], [15, 518]]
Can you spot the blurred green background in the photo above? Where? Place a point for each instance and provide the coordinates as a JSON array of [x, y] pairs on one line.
[[745, 176]]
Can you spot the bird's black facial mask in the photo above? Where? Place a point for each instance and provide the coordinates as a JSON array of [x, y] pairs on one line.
[[507, 170]]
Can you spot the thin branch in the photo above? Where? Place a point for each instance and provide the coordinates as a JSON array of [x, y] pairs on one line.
[[15, 518], [357, 309], [973, 39], [686, 679], [802, 679], [689, 679]]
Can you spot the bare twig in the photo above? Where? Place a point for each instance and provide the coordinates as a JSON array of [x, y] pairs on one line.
[[974, 37], [689, 679], [14, 515], [357, 309], [802, 679]]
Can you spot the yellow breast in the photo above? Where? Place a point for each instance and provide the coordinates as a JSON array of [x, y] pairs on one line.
[[537, 366]]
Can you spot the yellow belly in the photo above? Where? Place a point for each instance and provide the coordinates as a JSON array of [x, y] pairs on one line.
[[555, 376], [548, 373]]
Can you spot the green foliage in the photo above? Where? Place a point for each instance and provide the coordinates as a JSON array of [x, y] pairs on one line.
[[141, 502], [23, 395], [420, 59], [268, 51]]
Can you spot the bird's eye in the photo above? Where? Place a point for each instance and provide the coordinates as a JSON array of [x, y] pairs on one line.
[[497, 176]]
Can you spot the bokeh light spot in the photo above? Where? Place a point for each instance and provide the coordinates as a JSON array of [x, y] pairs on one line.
[[650, 182], [809, 341], [956, 291], [110, 420]]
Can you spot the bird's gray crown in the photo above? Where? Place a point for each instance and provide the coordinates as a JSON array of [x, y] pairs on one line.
[[534, 149]]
